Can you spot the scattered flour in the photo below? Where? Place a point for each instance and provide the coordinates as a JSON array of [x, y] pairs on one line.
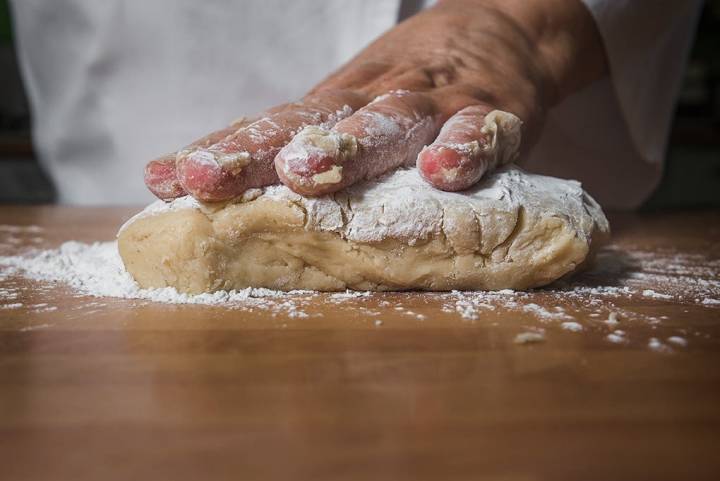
[[572, 326], [350, 295], [612, 319], [543, 313], [97, 270], [618, 275], [529, 337], [656, 295], [35, 327], [14, 305], [20, 228], [655, 344], [616, 338], [588, 304], [677, 340]]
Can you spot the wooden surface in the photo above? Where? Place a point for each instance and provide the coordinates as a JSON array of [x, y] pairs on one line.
[[131, 390]]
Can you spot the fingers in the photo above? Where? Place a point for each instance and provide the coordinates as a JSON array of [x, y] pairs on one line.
[[387, 133], [161, 178], [473, 141], [161, 174], [334, 149], [244, 159]]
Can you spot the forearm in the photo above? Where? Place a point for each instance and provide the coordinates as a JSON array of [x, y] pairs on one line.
[[568, 48]]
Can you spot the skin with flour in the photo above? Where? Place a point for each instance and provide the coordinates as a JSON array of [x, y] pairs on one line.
[[442, 72]]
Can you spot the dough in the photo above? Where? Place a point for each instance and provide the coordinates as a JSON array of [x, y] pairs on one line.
[[513, 230]]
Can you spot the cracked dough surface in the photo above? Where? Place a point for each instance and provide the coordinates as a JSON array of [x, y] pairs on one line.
[[513, 230]]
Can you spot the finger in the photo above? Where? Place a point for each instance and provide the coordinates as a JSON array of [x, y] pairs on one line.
[[161, 175], [161, 178], [244, 160], [387, 133], [473, 141]]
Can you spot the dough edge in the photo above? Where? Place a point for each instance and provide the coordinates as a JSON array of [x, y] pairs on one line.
[[494, 237]]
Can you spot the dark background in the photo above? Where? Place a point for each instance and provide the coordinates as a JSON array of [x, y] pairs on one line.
[[691, 179]]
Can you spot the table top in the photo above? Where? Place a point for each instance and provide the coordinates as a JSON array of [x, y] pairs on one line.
[[613, 375]]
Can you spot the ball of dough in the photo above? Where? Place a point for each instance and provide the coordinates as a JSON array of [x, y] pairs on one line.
[[513, 230]]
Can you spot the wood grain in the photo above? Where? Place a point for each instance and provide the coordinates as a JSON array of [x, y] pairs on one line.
[[121, 389]]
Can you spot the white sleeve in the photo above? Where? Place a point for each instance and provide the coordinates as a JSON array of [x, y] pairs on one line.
[[647, 44]]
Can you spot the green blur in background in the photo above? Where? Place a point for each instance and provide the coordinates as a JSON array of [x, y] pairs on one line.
[[5, 33]]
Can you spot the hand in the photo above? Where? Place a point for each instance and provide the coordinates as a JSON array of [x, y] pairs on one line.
[[433, 80]]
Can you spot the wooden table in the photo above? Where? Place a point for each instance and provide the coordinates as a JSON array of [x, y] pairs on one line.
[[132, 390]]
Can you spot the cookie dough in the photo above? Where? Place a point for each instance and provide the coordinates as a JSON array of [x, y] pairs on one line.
[[513, 230]]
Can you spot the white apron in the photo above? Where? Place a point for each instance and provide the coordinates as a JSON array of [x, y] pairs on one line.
[[114, 83]]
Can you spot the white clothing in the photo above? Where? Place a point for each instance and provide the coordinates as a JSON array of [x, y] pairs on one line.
[[613, 135], [114, 83]]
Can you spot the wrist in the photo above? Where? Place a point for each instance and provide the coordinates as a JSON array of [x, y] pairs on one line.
[[560, 39]]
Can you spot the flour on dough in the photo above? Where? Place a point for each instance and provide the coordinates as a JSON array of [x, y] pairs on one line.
[[512, 230]]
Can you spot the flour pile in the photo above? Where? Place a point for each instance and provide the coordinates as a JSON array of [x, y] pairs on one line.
[[97, 270]]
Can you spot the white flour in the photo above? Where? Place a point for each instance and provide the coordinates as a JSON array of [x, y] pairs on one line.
[[656, 295], [612, 319], [572, 326], [657, 345], [681, 279], [677, 340], [616, 338], [97, 270], [401, 205], [529, 337], [14, 305]]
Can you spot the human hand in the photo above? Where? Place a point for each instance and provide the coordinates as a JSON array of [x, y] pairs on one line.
[[435, 79]]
